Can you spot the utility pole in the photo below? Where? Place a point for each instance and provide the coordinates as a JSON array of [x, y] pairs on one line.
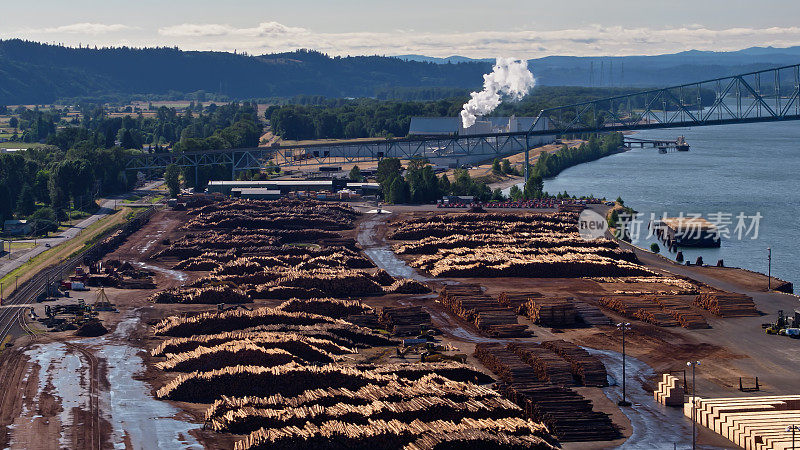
[[769, 269], [793, 428], [623, 326], [693, 364]]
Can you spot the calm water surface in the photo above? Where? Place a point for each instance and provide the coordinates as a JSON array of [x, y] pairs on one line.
[[733, 169]]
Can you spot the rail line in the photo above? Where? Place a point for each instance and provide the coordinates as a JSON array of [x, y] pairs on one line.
[[94, 393]]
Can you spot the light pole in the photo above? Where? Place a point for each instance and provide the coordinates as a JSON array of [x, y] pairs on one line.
[[792, 428], [623, 326], [693, 364], [769, 269]]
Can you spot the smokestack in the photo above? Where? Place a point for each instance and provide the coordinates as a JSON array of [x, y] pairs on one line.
[[510, 78]]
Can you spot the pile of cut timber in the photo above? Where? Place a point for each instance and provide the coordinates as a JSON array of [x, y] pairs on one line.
[[639, 308], [670, 391], [552, 312], [567, 414], [680, 309], [548, 366], [727, 304], [470, 303], [516, 300], [591, 315], [405, 320], [749, 422], [583, 365], [508, 366]]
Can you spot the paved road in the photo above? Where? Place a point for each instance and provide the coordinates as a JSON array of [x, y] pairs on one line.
[[7, 264]]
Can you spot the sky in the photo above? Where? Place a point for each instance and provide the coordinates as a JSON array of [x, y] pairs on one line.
[[478, 29]]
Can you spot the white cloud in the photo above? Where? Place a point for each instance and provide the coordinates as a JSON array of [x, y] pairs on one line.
[[593, 40], [83, 28], [213, 29]]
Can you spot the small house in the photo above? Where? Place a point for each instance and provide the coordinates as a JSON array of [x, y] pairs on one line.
[[17, 227]]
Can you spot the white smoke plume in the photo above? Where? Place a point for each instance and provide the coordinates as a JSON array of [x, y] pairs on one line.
[[510, 78]]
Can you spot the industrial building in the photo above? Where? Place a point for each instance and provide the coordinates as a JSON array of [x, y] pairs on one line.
[[452, 126]]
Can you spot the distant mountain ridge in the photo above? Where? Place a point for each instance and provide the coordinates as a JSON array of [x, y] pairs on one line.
[[35, 73]]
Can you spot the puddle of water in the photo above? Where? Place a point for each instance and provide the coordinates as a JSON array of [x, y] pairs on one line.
[[174, 274], [654, 425], [381, 254], [134, 414]]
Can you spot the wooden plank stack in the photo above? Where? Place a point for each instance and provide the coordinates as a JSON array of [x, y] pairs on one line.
[[517, 300], [470, 303], [507, 365], [548, 366], [669, 391], [591, 315], [681, 310], [583, 365], [567, 414], [552, 312], [749, 422], [727, 304], [405, 320], [639, 308]]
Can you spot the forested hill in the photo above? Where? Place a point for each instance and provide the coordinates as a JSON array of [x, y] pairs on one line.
[[37, 73]]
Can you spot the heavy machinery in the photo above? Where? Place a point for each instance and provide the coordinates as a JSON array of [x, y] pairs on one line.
[[784, 326]]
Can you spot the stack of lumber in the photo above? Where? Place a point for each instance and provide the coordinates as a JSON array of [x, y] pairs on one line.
[[639, 308], [470, 303], [505, 364], [552, 312], [517, 300], [669, 391], [405, 320], [567, 414], [548, 366], [749, 422], [591, 315], [727, 304], [681, 310], [583, 365]]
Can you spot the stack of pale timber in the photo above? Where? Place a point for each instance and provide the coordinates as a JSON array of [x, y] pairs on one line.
[[517, 300], [470, 303], [639, 308], [548, 366], [591, 315], [583, 365], [670, 391], [505, 364], [680, 309], [727, 304], [749, 422], [567, 414], [405, 320], [552, 312]]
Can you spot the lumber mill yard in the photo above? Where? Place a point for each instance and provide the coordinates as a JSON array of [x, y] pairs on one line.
[[305, 324]]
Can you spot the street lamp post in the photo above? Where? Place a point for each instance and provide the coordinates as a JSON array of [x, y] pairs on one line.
[[769, 269], [693, 364], [792, 429], [623, 326]]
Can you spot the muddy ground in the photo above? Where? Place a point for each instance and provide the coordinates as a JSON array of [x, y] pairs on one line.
[[57, 389]]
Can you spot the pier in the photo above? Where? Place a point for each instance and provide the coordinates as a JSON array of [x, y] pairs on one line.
[[663, 146]]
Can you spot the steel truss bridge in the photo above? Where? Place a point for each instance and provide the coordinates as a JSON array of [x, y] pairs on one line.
[[769, 95]]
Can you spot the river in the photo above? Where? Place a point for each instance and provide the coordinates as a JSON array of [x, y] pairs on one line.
[[731, 169]]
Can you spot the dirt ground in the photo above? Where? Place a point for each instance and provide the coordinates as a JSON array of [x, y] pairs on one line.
[[32, 412]]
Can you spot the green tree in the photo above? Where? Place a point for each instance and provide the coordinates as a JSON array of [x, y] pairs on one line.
[[534, 187], [655, 248], [398, 191], [13, 122], [515, 193], [497, 195], [496, 168], [619, 200], [444, 184], [44, 220], [172, 179], [506, 167], [26, 203], [355, 174]]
